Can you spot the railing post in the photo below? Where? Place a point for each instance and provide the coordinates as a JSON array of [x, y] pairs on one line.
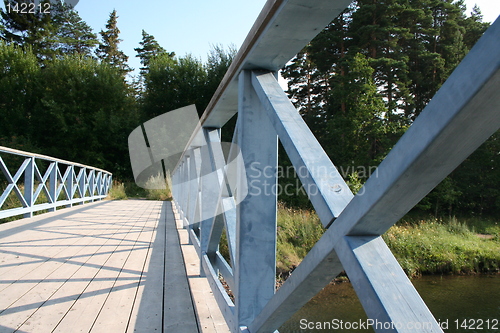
[[174, 188], [210, 192], [69, 184], [99, 183], [184, 192], [186, 185], [82, 184], [53, 186], [29, 179], [91, 181], [255, 265], [194, 184]]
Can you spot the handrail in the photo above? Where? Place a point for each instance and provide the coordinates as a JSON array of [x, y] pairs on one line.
[[274, 39], [63, 183], [46, 158], [462, 115]]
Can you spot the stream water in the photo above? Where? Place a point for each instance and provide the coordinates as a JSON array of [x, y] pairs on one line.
[[459, 303]]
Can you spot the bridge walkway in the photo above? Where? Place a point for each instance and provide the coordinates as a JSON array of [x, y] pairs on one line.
[[109, 266]]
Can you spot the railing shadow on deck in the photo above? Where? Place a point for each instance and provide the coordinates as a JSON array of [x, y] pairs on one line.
[[40, 220]]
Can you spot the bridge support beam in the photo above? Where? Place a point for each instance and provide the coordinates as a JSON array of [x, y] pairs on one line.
[[255, 267], [210, 191]]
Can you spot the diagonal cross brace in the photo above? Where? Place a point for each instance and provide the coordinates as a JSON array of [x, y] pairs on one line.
[[12, 180], [462, 115], [43, 182]]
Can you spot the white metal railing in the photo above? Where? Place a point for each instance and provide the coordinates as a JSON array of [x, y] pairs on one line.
[[462, 115], [45, 183]]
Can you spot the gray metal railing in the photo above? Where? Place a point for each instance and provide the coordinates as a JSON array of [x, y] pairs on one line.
[[462, 115], [59, 182]]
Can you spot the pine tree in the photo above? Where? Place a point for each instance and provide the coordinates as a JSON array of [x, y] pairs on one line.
[[36, 30], [357, 127], [49, 35], [308, 89], [75, 36], [474, 27], [150, 49], [376, 35], [108, 50]]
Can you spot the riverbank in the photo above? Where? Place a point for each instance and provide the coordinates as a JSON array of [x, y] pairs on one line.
[[421, 245]]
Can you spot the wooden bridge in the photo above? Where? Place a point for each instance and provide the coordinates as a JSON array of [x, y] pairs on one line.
[[109, 266], [116, 266]]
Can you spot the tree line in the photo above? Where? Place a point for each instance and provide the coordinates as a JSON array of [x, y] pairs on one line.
[[68, 92], [364, 79]]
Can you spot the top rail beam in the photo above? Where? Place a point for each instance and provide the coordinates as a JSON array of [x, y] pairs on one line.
[[281, 30], [47, 158], [279, 33]]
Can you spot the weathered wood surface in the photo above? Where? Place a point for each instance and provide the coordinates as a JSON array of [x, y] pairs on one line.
[[95, 268]]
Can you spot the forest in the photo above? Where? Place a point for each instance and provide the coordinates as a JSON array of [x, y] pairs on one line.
[[68, 92]]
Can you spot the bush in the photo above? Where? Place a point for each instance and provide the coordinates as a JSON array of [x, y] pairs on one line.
[[117, 191], [159, 188]]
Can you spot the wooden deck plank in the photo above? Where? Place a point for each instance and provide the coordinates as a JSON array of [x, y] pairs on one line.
[[147, 314], [179, 313], [47, 317], [24, 296], [115, 266], [210, 317], [14, 256], [119, 304], [92, 300], [38, 255]]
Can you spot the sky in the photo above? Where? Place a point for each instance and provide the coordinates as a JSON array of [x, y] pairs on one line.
[[190, 26], [193, 26]]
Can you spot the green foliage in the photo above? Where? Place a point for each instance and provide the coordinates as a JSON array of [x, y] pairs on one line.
[[174, 82], [421, 246], [19, 72], [36, 30], [429, 247], [88, 104], [117, 191], [74, 35], [74, 108], [362, 81], [298, 231], [171, 84], [356, 128], [50, 34]]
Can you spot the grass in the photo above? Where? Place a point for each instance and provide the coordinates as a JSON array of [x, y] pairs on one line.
[[444, 247], [158, 190], [298, 231], [422, 246]]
